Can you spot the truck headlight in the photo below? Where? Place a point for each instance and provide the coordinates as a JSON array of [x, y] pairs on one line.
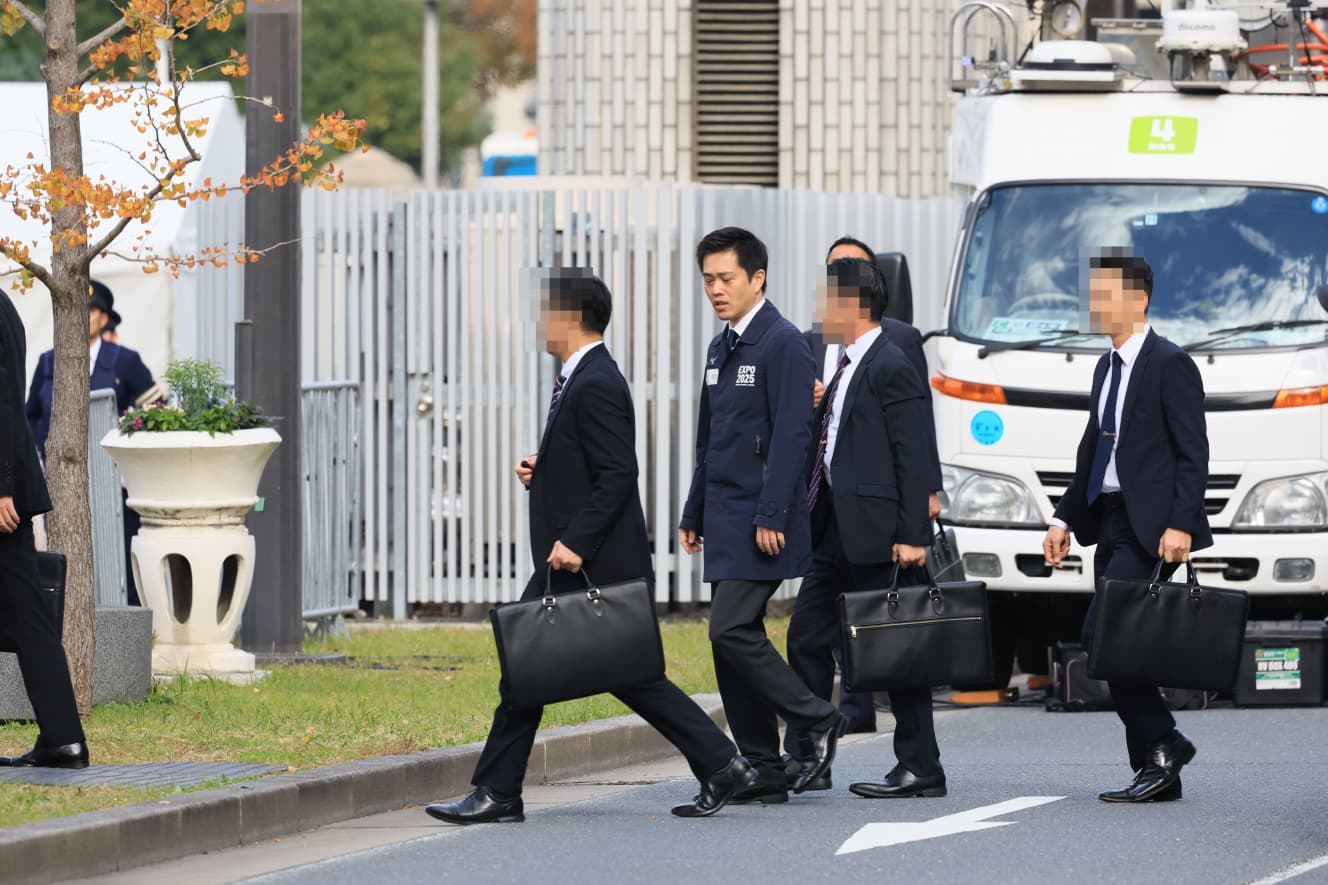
[[1292, 502], [971, 496]]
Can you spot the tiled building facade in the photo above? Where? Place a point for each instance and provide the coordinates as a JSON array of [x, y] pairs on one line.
[[833, 95]]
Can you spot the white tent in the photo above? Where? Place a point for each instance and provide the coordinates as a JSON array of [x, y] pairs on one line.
[[111, 144]]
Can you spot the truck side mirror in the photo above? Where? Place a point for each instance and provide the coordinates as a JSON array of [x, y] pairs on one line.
[[894, 267]]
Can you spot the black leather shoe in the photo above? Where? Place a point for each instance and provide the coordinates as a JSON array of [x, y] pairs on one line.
[[823, 746], [901, 783], [1170, 794], [720, 789], [861, 725], [793, 769], [480, 807], [67, 756], [1162, 764], [760, 794]]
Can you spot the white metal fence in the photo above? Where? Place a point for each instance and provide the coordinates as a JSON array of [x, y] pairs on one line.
[[427, 307], [107, 504], [329, 458]]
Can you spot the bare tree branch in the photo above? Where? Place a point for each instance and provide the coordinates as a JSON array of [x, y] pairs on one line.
[[93, 42], [36, 21], [31, 267]]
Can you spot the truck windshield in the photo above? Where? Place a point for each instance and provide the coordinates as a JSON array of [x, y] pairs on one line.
[[1222, 256]]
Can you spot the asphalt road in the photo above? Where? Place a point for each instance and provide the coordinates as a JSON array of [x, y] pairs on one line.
[[1255, 810]]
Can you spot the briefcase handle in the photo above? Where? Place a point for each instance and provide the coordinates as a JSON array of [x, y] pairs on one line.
[[933, 591], [550, 602], [1192, 580]]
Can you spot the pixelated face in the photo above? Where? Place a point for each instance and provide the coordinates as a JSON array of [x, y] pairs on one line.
[[731, 291], [1114, 307], [848, 250], [838, 310], [557, 326]]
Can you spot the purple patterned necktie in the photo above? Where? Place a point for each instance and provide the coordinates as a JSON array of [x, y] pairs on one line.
[[818, 470], [553, 404]]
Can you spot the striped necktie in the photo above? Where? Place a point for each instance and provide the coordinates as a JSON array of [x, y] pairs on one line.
[[818, 470], [553, 403]]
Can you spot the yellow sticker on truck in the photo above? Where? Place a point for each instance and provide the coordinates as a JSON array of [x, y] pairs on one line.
[[1163, 135]]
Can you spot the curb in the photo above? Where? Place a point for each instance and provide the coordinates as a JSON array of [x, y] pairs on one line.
[[116, 839]]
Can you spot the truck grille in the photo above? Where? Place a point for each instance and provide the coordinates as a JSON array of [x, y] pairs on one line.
[[1220, 487]]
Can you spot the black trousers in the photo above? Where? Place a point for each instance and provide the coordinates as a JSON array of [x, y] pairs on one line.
[[132, 523], [814, 637], [28, 629], [757, 685], [502, 765], [1119, 555]]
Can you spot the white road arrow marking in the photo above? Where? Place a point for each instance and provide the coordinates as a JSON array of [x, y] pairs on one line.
[[883, 834]]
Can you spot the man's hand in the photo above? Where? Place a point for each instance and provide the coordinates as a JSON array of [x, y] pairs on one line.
[[818, 393], [908, 554], [526, 469], [769, 541], [933, 505], [1174, 546], [1055, 545], [564, 558], [8, 516], [690, 541]]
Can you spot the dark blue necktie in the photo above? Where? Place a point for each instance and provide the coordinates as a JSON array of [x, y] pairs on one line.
[[553, 403], [730, 339], [1106, 441]]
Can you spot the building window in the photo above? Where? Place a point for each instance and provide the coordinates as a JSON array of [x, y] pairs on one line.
[[737, 92]]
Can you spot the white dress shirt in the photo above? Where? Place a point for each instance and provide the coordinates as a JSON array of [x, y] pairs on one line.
[[741, 325], [855, 352], [575, 359], [831, 362], [94, 351], [1129, 353]]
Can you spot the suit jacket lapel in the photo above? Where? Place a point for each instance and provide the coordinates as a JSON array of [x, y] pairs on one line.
[[593, 355], [1136, 378], [859, 373]]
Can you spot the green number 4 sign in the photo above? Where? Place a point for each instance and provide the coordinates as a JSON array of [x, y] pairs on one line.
[[1163, 135]]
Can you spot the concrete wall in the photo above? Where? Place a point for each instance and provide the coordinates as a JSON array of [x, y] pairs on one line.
[[864, 104]]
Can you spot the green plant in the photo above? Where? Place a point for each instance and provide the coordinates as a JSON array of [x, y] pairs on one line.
[[201, 402]]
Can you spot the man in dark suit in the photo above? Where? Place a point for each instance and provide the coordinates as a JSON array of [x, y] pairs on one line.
[[867, 492], [26, 626], [859, 707], [112, 368], [1138, 490], [748, 506], [585, 512]]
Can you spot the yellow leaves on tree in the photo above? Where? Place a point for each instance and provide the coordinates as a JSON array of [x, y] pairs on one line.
[[101, 209]]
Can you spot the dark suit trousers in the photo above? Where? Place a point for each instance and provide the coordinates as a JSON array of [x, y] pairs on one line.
[[1140, 707], [29, 631], [814, 637], [502, 765], [757, 685]]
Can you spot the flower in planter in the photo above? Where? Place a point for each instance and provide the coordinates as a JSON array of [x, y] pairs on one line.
[[200, 401]]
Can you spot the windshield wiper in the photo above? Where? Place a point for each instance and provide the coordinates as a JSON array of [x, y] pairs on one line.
[[1030, 343], [1266, 326]]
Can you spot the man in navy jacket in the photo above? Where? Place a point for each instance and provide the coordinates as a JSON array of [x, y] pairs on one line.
[[1138, 491], [748, 506], [585, 512]]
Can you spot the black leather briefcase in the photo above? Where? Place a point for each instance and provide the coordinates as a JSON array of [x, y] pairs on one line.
[[916, 637], [1151, 632], [576, 644], [943, 557]]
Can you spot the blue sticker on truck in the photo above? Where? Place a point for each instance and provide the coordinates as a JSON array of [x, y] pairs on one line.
[[987, 427], [1320, 205]]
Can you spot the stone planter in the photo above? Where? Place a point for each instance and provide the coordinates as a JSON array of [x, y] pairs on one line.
[[193, 556]]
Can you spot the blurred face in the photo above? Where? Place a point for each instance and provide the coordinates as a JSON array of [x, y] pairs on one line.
[[96, 320], [838, 311], [1113, 307], [848, 250], [557, 328], [111, 336], [731, 292]]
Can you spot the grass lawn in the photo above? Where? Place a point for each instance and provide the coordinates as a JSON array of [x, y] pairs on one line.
[[404, 691]]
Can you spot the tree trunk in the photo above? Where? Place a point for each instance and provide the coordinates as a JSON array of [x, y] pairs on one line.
[[70, 523]]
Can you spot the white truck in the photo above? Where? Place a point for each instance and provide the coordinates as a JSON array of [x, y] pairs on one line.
[[1199, 139]]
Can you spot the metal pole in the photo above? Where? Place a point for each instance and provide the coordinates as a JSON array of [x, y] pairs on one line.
[[268, 361], [429, 136]]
